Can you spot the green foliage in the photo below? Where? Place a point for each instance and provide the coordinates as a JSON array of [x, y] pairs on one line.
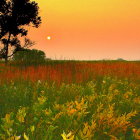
[[107, 109], [28, 56]]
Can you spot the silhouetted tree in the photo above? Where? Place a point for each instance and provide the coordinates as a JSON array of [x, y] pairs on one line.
[[120, 59], [15, 15], [30, 56]]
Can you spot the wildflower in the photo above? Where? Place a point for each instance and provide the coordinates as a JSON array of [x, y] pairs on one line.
[[69, 136], [39, 81], [25, 137], [57, 106], [10, 129], [47, 111], [42, 99], [57, 116], [71, 111], [80, 105], [32, 128], [87, 132], [134, 130], [42, 92], [8, 119], [17, 137], [21, 114]]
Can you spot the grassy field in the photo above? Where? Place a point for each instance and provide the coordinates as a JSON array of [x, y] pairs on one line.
[[70, 100]]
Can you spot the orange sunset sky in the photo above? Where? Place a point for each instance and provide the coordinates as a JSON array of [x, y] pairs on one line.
[[89, 29]]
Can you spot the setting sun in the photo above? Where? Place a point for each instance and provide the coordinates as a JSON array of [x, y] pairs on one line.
[[48, 37]]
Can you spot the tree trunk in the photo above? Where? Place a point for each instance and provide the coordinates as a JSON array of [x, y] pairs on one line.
[[7, 49]]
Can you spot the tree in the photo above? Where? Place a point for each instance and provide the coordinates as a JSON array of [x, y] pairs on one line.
[[15, 16], [18, 47], [30, 56], [120, 59]]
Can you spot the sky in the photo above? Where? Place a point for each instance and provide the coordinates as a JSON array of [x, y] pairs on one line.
[[88, 29]]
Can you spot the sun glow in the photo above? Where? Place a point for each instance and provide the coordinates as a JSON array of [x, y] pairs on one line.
[[48, 37]]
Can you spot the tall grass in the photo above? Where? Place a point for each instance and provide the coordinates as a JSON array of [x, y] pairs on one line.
[[70, 101], [69, 72]]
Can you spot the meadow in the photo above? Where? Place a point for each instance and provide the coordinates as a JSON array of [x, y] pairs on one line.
[[70, 100]]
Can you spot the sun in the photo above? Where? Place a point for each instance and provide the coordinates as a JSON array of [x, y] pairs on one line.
[[49, 37]]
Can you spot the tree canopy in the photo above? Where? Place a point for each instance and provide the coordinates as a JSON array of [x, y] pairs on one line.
[[30, 56], [15, 15]]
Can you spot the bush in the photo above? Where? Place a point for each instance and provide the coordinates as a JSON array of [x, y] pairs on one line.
[[30, 56]]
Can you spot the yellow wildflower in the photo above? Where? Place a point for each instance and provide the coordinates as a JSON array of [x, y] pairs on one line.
[[17, 137], [32, 128], [71, 111], [57, 106], [21, 114], [25, 137], [42, 99], [8, 119], [69, 136], [57, 116]]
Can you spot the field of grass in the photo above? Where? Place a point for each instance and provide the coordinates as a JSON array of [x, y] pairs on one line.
[[70, 100]]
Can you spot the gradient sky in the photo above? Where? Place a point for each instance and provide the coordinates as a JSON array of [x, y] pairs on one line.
[[89, 29]]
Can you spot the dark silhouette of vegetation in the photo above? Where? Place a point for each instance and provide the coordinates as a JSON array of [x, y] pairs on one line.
[[15, 16], [28, 56], [120, 59]]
